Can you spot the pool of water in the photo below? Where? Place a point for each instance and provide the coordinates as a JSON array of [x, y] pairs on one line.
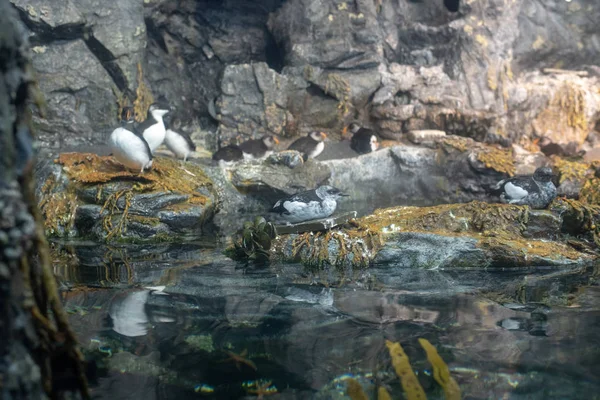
[[184, 322]]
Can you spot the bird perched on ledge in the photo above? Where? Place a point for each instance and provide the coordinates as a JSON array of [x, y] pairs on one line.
[[129, 147], [153, 128], [309, 146], [363, 140], [536, 191], [308, 205], [176, 140], [258, 148]]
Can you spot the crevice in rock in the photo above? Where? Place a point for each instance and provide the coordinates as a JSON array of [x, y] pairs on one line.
[[317, 91], [274, 55], [45, 34], [154, 34], [108, 61]]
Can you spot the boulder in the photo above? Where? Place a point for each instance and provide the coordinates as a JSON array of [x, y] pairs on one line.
[[471, 235], [456, 170], [86, 196]]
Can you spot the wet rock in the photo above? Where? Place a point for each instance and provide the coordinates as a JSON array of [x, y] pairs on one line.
[[90, 197], [316, 225], [472, 235], [289, 158], [273, 180]]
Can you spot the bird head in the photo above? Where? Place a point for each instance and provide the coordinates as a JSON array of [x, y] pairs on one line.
[[318, 136], [354, 127], [543, 174], [327, 191], [270, 141], [158, 110]]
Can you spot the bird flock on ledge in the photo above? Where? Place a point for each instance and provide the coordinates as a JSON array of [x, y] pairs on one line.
[[133, 145]]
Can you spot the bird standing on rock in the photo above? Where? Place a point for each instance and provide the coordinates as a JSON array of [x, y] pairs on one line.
[[177, 141], [153, 128], [258, 148], [363, 140], [308, 205], [309, 146], [228, 154], [129, 147], [536, 191]]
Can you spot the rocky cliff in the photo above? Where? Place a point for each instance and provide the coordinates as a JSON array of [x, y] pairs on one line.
[[289, 66]]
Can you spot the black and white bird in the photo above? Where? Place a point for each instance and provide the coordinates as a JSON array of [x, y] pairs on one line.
[[309, 146], [311, 204], [363, 140], [228, 154], [176, 140], [128, 146], [153, 128], [258, 148], [536, 191]]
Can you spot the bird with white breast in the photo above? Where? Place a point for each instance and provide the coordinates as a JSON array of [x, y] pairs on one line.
[[128, 146], [308, 205]]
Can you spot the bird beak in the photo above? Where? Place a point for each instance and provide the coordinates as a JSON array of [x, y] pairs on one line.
[[324, 135], [276, 140], [344, 194]]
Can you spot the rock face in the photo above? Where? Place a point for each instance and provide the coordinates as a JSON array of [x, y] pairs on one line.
[[287, 67], [452, 170], [87, 196], [472, 235], [85, 53]]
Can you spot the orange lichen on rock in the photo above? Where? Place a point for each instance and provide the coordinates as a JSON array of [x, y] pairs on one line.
[[564, 120], [498, 159], [574, 171], [165, 175]]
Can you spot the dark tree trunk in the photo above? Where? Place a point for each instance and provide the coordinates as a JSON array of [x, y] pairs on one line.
[[38, 354]]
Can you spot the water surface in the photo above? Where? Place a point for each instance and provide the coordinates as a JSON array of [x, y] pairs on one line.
[[515, 334]]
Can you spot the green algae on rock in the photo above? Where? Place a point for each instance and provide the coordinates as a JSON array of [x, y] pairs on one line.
[[469, 235], [88, 196]]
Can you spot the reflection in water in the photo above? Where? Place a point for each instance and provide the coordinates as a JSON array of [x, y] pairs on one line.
[[217, 331]]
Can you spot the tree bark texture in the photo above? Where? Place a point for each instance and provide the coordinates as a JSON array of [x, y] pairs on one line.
[[39, 357]]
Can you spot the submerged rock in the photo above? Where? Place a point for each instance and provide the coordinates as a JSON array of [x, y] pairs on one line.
[[472, 235], [89, 196]]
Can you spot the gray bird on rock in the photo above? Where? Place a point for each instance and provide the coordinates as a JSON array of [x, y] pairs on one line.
[[536, 191], [309, 205]]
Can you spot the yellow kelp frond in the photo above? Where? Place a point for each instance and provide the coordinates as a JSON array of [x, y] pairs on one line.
[[355, 391], [410, 383], [441, 373], [382, 394]]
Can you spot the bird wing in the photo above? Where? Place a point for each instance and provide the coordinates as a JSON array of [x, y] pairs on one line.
[[148, 151], [300, 144], [249, 145], [189, 140], [147, 123], [519, 187], [302, 197], [228, 153]]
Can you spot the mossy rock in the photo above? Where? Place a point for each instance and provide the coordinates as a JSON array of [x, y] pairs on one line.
[[84, 195], [469, 235]]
